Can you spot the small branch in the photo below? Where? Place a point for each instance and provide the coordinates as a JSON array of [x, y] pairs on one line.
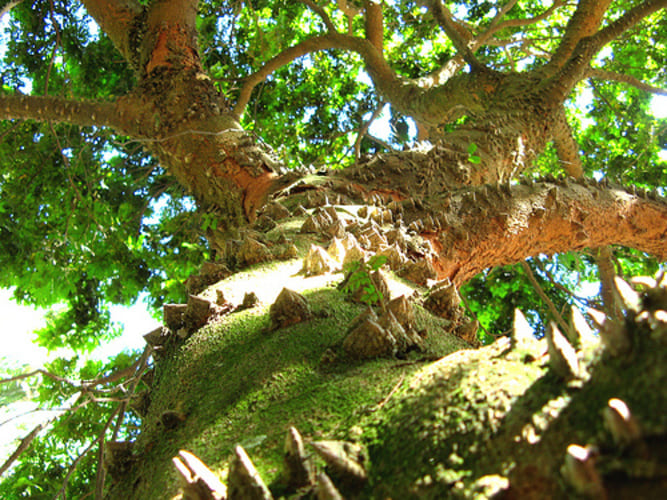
[[56, 27], [518, 23], [59, 110], [25, 442], [552, 308], [581, 300], [139, 366], [9, 6], [459, 35], [577, 62], [382, 143], [380, 71], [23, 445], [313, 44], [451, 67], [17, 416], [320, 12], [472, 313], [622, 78], [391, 393], [584, 23], [363, 130], [78, 459], [501, 13], [117, 20], [37, 372], [610, 299], [84, 384], [350, 11]]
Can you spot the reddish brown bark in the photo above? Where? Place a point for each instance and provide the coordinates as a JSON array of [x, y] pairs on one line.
[[188, 125]]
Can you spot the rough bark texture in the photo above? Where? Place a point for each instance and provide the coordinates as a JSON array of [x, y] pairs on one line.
[[469, 214]]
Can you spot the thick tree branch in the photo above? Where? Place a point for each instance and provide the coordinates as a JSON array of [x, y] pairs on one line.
[[460, 36], [584, 23], [622, 78], [566, 147], [374, 24], [58, 110], [119, 19], [558, 88], [493, 226], [625, 22]]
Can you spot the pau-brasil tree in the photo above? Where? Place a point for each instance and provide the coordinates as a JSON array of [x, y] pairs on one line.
[[194, 152]]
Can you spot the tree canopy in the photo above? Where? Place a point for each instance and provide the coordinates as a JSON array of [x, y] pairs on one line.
[[140, 138]]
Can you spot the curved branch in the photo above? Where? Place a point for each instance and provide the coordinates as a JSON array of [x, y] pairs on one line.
[[119, 19], [381, 73], [287, 56], [451, 67], [517, 23], [460, 36], [320, 12], [623, 78], [59, 110], [493, 226], [9, 6]]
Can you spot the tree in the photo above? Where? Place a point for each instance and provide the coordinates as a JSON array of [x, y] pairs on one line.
[[141, 149]]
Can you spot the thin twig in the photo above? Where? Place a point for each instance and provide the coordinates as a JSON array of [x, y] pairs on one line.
[[78, 459], [320, 12], [364, 129], [582, 300], [36, 372], [391, 393], [552, 308], [55, 47], [472, 313], [25, 442], [140, 366]]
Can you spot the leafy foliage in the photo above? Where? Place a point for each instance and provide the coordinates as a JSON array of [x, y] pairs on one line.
[[89, 218], [358, 277]]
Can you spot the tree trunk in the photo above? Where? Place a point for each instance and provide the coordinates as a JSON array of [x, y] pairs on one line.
[[487, 420]]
